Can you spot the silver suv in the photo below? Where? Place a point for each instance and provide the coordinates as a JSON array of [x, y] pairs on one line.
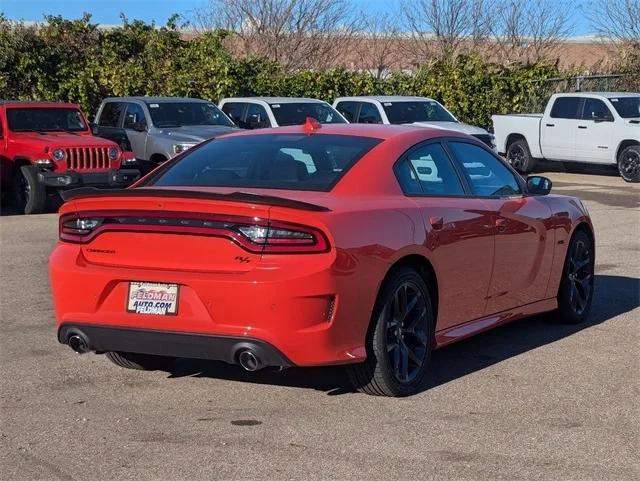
[[157, 128]]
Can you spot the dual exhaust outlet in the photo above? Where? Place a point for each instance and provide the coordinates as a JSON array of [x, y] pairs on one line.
[[247, 358]]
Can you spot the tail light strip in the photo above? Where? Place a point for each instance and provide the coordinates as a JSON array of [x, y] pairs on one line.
[[253, 234]]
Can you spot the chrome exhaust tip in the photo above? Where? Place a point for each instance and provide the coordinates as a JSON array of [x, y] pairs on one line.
[[249, 361]]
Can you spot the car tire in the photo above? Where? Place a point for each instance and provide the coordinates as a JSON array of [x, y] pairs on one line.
[[142, 362], [402, 317], [519, 156], [575, 294], [629, 163], [28, 196]]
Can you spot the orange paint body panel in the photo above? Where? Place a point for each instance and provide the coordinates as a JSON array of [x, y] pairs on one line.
[[494, 260]]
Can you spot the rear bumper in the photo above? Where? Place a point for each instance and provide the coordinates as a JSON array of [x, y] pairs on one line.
[[173, 344], [72, 178]]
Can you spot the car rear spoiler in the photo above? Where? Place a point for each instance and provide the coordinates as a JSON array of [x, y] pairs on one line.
[[245, 197]]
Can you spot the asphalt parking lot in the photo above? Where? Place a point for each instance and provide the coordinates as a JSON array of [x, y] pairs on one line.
[[532, 400]]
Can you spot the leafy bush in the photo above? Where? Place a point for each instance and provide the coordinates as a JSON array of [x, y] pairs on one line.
[[75, 61]]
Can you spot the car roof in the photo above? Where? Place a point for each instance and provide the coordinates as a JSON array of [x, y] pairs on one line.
[[600, 94], [275, 100], [155, 100], [35, 104], [385, 98], [378, 131]]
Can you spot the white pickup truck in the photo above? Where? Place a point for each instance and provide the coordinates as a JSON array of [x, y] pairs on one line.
[[591, 127]]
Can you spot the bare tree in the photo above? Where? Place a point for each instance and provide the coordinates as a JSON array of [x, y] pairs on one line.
[[378, 44], [445, 28], [530, 30], [616, 20], [296, 33]]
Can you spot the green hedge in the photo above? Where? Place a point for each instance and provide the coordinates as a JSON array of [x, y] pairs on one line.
[[74, 60]]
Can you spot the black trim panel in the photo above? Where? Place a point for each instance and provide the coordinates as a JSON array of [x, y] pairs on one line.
[[173, 344]]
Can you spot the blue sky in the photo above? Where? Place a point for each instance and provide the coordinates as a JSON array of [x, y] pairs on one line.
[[108, 11]]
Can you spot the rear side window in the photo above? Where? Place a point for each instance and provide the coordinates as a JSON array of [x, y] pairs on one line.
[[348, 110], [566, 108], [272, 161], [369, 114], [296, 113], [488, 176], [110, 114], [428, 170]]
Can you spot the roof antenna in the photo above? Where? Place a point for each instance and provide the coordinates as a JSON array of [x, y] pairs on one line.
[[311, 125]]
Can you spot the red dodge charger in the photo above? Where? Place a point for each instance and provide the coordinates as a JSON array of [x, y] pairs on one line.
[[362, 245]]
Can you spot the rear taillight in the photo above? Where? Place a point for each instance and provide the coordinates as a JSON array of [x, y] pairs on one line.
[[251, 233]]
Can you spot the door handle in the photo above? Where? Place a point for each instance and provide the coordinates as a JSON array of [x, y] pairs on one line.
[[501, 224], [550, 125], [437, 223], [582, 126]]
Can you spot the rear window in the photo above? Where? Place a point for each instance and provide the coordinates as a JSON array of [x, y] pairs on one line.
[[565, 108], [271, 161], [295, 113]]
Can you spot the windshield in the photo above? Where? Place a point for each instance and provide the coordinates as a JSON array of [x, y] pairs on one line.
[[297, 113], [45, 120], [178, 114], [418, 111], [627, 107], [273, 161]]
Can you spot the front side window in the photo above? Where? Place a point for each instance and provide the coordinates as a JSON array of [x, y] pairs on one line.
[[369, 114], [134, 117], [110, 115], [348, 110], [418, 111], [488, 176], [272, 161], [566, 108], [179, 114], [627, 107], [429, 170], [234, 110], [45, 120], [595, 109], [257, 117], [296, 113]]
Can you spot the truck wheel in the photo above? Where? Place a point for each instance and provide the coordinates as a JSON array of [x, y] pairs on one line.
[[142, 362], [629, 163], [519, 156], [401, 338], [28, 195]]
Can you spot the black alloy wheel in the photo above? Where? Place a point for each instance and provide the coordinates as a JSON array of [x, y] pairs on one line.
[[576, 288], [629, 164]]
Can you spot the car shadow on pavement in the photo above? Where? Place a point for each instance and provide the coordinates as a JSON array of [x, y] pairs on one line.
[[615, 295]]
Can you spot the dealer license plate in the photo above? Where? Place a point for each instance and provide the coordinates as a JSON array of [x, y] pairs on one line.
[[153, 298]]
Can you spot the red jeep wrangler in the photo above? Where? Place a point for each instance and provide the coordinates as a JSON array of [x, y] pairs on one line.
[[46, 147]]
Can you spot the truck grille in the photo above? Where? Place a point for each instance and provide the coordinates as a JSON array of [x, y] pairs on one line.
[[88, 158]]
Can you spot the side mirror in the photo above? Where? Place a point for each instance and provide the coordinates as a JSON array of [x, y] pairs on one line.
[[139, 127], [602, 117], [94, 128], [538, 185]]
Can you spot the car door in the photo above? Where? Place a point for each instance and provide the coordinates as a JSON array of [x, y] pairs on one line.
[[135, 126], [458, 231], [523, 242], [558, 131], [595, 132]]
